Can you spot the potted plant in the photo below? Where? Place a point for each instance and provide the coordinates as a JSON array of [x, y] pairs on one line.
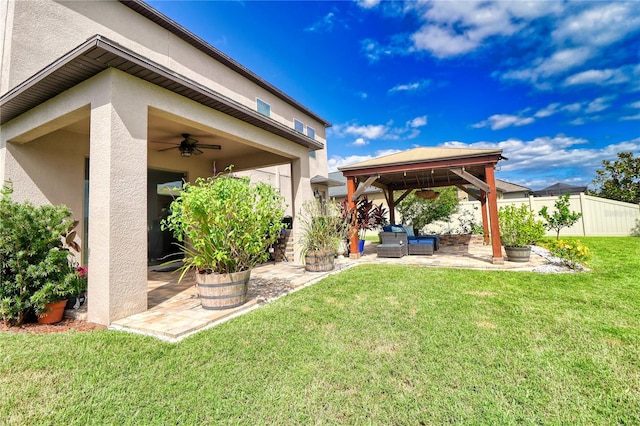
[[323, 229], [34, 260], [225, 226], [368, 217], [519, 229], [50, 300]]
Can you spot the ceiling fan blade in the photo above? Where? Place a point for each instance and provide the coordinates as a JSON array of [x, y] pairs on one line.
[[167, 149], [209, 146], [163, 142], [196, 151]]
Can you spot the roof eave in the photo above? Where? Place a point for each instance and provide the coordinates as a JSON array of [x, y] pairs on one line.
[[29, 93], [178, 30]]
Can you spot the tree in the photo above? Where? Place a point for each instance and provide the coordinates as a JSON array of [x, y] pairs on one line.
[[562, 217], [620, 179], [420, 212]]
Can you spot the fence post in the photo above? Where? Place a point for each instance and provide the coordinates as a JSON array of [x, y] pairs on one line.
[[582, 211]]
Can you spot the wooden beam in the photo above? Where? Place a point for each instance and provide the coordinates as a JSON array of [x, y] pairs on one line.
[[354, 252], [471, 178], [469, 191], [496, 243], [403, 196], [362, 187]]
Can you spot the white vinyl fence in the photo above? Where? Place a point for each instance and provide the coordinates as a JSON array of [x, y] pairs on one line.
[[600, 217]]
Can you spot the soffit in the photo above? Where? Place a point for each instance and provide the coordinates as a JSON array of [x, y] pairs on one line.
[[98, 54]]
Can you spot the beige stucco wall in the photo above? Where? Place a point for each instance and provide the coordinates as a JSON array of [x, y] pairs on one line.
[[42, 31]]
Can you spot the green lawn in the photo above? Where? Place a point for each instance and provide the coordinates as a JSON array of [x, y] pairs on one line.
[[372, 345]]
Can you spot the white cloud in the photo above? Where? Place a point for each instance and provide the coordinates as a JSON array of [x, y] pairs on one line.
[[325, 24], [635, 104], [411, 87], [368, 4], [418, 121], [360, 142], [372, 132], [336, 161], [558, 63], [630, 117], [599, 104], [501, 121], [547, 111], [600, 25]]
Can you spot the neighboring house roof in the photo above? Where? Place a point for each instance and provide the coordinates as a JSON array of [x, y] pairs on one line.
[[560, 189], [341, 190], [507, 187], [423, 154], [321, 180], [99, 53]]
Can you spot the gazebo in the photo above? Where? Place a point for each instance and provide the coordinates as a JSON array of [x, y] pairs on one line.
[[426, 168]]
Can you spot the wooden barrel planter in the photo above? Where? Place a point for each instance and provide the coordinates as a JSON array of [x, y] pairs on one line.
[[318, 261], [518, 254], [223, 291]]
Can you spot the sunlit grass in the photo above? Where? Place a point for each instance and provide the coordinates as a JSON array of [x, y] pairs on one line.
[[371, 345]]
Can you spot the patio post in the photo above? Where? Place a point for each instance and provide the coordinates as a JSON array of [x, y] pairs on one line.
[[354, 252], [117, 200], [496, 242], [392, 207], [485, 219]]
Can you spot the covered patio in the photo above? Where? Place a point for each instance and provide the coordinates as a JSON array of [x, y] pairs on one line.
[[427, 168]]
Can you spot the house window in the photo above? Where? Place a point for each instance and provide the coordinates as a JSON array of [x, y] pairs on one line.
[[311, 132], [263, 107], [312, 154], [298, 125]]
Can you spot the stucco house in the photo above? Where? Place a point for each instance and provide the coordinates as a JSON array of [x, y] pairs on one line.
[[101, 105]]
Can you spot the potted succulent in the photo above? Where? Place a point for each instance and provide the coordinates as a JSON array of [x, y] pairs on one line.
[[519, 229], [323, 229], [225, 226]]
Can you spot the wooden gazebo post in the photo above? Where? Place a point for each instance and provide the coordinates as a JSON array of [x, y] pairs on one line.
[[496, 242], [485, 219], [354, 252]]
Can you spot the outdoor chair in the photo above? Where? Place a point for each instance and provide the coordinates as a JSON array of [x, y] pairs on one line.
[[393, 244]]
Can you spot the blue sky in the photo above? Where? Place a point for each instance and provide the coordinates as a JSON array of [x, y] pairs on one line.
[[556, 85]]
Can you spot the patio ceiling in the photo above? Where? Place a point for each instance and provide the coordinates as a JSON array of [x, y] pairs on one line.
[[425, 168]]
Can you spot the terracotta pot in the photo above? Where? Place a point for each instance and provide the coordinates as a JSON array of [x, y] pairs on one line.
[[54, 313]]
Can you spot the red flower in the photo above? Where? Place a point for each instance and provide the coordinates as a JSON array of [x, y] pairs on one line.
[[82, 271]]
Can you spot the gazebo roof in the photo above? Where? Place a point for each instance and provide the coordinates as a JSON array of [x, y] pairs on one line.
[[425, 167], [421, 155]]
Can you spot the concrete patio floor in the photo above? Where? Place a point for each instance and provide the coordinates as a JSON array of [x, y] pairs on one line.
[[175, 311]]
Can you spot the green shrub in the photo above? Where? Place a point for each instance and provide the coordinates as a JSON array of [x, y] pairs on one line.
[[635, 232], [228, 223], [571, 252], [34, 264]]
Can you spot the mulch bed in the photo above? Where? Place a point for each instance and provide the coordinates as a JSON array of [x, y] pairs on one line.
[[62, 326]]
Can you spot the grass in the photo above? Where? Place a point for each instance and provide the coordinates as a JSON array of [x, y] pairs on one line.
[[372, 345]]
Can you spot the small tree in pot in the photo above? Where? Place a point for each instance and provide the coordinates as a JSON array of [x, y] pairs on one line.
[[225, 225], [519, 229]]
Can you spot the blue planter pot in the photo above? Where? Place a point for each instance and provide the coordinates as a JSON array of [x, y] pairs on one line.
[[361, 246]]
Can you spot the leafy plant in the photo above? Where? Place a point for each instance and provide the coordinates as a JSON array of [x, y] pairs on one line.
[[369, 216], [322, 227], [571, 252], [225, 224], [419, 212], [562, 217], [34, 263], [519, 227]]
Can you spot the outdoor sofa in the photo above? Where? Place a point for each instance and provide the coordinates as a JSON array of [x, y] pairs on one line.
[[397, 242]]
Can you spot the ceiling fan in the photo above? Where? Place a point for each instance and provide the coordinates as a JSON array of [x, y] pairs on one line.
[[190, 146]]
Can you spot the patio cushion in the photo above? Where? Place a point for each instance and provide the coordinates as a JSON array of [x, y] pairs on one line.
[[393, 228], [421, 241]]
